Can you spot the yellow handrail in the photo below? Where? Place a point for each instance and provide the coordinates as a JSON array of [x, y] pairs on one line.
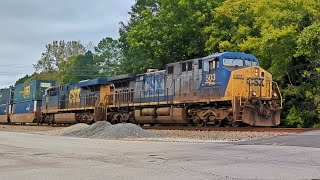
[[241, 96], [234, 97], [281, 98]]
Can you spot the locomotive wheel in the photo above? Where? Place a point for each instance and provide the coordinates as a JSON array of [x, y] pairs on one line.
[[236, 124], [198, 121], [216, 122]]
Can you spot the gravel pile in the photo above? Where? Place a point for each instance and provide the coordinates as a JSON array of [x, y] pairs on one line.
[[104, 130], [67, 130]]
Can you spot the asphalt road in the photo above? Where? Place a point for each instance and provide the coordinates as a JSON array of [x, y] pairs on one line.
[[28, 156], [307, 139]]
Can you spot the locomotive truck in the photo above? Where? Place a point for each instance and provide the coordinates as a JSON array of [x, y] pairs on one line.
[[227, 88]]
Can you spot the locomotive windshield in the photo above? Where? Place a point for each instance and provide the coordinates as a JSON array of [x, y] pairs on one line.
[[250, 63], [229, 62], [232, 62]]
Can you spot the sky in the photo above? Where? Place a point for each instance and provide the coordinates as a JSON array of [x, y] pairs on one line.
[[26, 26]]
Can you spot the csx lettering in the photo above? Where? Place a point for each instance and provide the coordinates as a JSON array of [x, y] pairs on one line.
[[26, 91], [154, 85], [255, 82], [74, 95]]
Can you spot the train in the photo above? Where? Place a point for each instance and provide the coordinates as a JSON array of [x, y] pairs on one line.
[[223, 89]]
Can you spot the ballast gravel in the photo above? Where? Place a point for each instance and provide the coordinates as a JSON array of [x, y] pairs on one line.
[[104, 130], [215, 136], [67, 130]]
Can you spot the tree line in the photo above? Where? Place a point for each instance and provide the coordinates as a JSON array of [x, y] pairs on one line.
[[283, 34]]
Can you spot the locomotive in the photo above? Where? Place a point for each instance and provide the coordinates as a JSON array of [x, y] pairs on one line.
[[227, 88]]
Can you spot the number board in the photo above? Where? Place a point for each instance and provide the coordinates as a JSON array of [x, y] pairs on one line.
[[210, 78]]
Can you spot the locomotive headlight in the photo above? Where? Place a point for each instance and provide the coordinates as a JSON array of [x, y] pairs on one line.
[[256, 71], [254, 93], [274, 95]]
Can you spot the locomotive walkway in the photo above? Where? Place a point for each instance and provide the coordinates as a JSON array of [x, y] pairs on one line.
[[30, 156]]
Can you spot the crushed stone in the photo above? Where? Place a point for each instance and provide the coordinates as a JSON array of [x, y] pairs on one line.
[[104, 130], [67, 130]]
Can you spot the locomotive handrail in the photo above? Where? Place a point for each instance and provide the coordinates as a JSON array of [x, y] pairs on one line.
[[280, 95], [234, 100]]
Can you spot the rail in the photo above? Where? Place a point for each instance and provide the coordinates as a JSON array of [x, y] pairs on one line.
[[188, 128], [248, 129]]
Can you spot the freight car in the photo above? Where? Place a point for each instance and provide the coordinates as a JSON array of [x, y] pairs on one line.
[[225, 88], [5, 102], [22, 103]]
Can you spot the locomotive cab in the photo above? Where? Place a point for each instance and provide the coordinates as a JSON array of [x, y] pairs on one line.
[[249, 87]]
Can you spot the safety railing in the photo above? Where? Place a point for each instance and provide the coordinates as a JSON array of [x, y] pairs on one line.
[[79, 103], [279, 92]]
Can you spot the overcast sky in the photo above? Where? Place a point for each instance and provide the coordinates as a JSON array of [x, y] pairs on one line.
[[28, 25]]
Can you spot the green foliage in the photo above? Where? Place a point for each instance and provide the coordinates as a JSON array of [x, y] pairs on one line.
[[57, 52], [163, 31], [294, 118], [284, 35], [78, 68], [108, 55], [302, 107], [23, 79], [38, 76], [268, 29]]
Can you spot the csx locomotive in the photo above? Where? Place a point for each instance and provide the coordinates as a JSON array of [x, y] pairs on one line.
[[222, 89]]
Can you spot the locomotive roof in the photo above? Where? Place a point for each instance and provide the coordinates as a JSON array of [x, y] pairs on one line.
[[122, 77], [233, 55], [92, 82], [223, 55]]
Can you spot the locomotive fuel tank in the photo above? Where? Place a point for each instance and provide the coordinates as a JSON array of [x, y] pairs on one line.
[[164, 115]]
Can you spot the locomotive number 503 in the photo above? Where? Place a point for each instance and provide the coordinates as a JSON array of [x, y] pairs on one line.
[[210, 78]]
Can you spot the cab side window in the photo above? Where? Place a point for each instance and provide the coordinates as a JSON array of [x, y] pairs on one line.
[[53, 92], [211, 65]]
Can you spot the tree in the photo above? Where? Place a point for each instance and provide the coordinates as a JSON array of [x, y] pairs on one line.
[[163, 31], [78, 68], [268, 29], [108, 55], [284, 35], [56, 52], [38, 76]]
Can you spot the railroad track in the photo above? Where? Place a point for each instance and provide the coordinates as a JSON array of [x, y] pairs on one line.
[[250, 129], [34, 125], [187, 128]]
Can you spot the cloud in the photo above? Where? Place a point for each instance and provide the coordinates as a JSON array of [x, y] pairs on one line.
[[27, 26]]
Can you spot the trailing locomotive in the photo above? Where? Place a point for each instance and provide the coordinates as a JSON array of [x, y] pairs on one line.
[[222, 89], [82, 102]]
